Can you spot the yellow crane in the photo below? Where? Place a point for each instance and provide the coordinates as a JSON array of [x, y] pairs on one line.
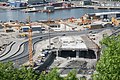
[[30, 45]]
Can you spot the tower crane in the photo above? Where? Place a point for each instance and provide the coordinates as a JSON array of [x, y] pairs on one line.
[[30, 45]]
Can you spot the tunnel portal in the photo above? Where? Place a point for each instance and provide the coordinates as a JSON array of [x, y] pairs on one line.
[[90, 54]]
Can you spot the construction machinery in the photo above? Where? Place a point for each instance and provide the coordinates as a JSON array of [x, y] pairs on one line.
[[115, 21], [30, 48], [30, 44]]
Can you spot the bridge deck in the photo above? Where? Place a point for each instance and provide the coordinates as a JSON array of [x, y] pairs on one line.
[[89, 43]]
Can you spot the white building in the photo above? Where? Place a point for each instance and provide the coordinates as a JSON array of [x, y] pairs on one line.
[[75, 47], [72, 42], [17, 0], [72, 46]]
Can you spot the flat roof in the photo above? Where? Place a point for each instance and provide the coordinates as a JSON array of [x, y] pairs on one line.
[[103, 13], [72, 42], [25, 26]]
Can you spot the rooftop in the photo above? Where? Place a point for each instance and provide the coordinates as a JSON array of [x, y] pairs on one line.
[[104, 13], [72, 42]]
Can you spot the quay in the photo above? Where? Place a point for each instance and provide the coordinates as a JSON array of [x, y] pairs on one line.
[[90, 7], [58, 5], [63, 8], [12, 8], [96, 7]]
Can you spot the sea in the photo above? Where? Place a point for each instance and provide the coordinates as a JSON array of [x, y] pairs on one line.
[[7, 15]]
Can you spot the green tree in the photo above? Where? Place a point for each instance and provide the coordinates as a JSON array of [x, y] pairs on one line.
[[27, 74], [71, 76], [42, 76], [109, 64], [83, 78], [8, 72], [53, 75]]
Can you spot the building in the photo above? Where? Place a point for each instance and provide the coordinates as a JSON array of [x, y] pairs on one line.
[[35, 28], [85, 2], [75, 46], [55, 27], [104, 15], [17, 0], [49, 8], [17, 3], [36, 2], [56, 4], [60, 27]]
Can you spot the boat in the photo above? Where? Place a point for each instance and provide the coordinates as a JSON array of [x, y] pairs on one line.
[[30, 10]]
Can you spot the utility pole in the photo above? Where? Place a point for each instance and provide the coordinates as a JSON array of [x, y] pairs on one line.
[[30, 45]]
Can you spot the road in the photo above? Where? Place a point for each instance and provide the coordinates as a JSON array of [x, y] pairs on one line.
[[18, 53]]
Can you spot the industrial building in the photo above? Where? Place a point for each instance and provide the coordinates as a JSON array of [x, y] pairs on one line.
[[35, 2], [24, 3], [49, 8], [17, 3], [34, 28]]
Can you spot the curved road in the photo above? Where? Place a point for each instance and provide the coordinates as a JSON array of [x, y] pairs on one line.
[[19, 56]]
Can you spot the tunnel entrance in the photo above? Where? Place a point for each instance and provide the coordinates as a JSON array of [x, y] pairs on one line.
[[90, 54], [67, 53]]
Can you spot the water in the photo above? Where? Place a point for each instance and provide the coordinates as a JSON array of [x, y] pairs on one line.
[[6, 15]]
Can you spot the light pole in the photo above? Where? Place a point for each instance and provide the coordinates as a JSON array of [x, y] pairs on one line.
[[49, 29]]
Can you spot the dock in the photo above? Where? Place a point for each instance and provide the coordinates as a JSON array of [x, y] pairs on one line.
[[63, 8], [13, 8], [100, 7]]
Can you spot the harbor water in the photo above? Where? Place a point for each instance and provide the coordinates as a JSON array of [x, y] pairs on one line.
[[7, 15]]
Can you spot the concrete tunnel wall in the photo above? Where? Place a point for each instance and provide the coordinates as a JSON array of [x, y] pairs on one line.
[[65, 53], [81, 53]]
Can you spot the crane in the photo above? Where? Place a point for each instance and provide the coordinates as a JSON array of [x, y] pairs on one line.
[[30, 45]]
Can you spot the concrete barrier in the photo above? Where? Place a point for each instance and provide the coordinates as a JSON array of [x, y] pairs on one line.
[[48, 61]]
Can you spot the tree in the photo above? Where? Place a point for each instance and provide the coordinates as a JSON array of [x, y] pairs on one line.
[[52, 75], [109, 64], [8, 72], [83, 78], [71, 76], [27, 74]]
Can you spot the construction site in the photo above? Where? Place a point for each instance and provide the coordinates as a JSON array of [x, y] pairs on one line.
[[67, 44]]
